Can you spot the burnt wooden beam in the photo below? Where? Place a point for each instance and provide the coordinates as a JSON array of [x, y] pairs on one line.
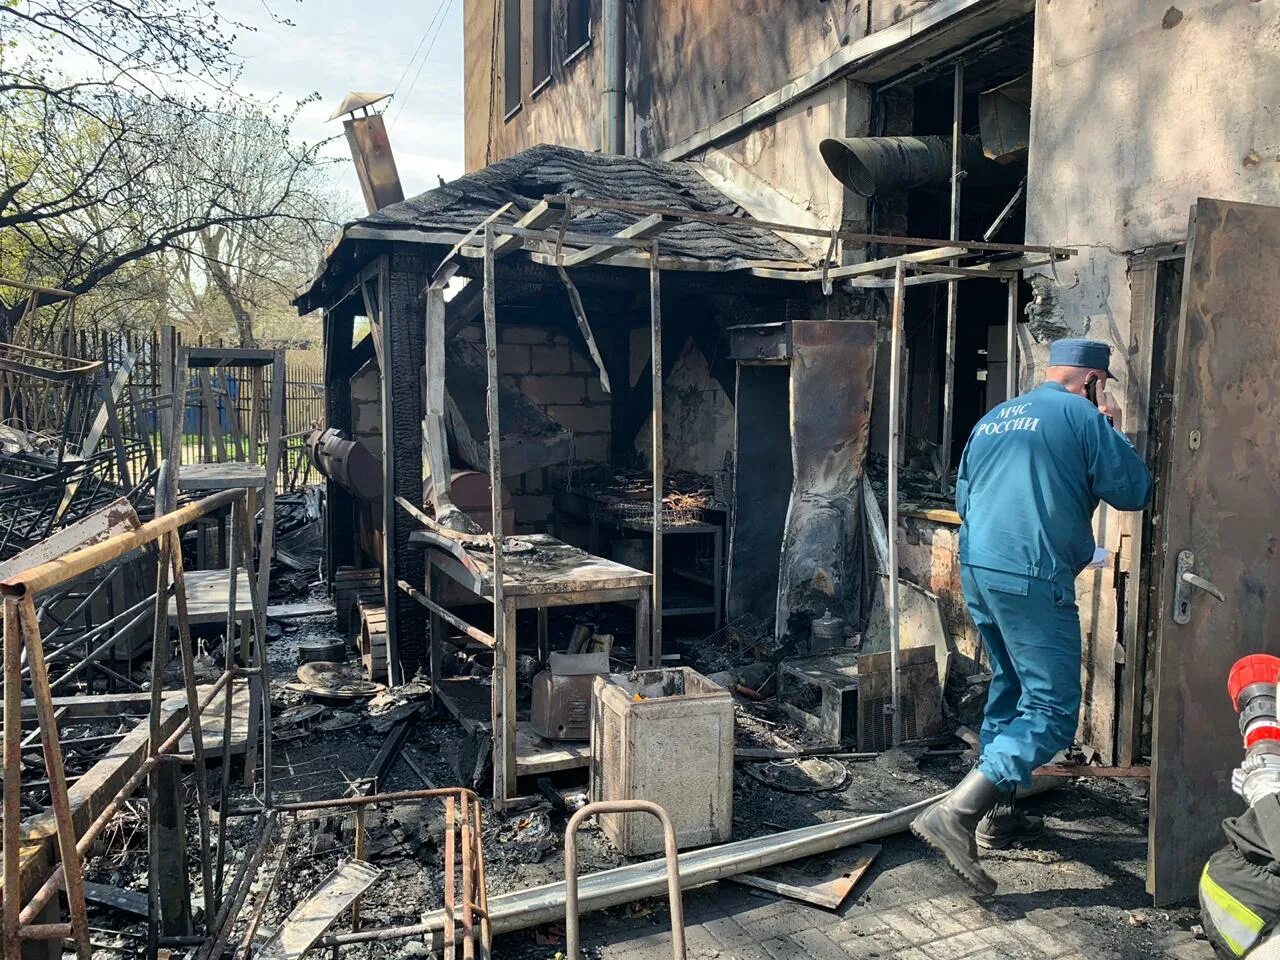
[[402, 277], [339, 365], [650, 226]]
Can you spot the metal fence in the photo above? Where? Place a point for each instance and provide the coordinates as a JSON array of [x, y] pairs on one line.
[[134, 364]]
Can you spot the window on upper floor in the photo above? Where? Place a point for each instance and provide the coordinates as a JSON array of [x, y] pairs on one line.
[[577, 16], [511, 55], [541, 43]]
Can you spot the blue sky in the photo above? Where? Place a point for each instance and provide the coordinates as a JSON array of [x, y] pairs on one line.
[[336, 46]]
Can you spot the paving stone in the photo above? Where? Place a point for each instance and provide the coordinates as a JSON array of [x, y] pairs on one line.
[[909, 926], [781, 924], [1009, 944], [856, 926], [911, 953], [784, 948], [1050, 944], [954, 947], [936, 919], [699, 943], [734, 940], [819, 946]]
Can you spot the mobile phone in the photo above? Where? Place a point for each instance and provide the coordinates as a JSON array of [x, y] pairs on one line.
[[1091, 391]]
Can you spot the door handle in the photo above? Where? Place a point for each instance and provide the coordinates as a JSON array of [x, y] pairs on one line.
[[1185, 582]]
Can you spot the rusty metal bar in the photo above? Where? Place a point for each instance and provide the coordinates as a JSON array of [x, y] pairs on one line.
[[364, 800], [450, 921], [54, 882], [224, 788], [573, 944], [159, 651], [71, 873], [895, 448], [475, 633], [187, 658], [256, 651], [468, 918], [12, 779], [72, 565], [225, 920], [34, 288], [486, 922], [246, 942], [643, 209], [362, 841]]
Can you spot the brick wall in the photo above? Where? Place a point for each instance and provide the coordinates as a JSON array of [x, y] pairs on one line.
[[558, 376], [366, 407]]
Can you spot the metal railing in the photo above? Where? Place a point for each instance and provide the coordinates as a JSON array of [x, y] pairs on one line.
[[22, 630]]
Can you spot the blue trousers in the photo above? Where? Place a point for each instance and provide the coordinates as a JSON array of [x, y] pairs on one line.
[[1031, 629]]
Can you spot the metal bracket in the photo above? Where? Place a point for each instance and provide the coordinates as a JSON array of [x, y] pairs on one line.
[[1185, 581]]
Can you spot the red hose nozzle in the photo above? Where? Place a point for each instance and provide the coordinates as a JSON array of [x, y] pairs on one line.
[[1255, 668]]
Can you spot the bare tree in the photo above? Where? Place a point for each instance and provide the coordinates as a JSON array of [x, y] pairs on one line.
[[121, 141]]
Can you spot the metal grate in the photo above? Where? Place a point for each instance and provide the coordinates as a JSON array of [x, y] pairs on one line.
[[875, 723]]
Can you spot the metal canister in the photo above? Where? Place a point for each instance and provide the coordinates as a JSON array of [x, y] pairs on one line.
[[826, 633]]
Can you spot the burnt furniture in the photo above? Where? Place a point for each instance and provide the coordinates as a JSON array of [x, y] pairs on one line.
[[538, 572]]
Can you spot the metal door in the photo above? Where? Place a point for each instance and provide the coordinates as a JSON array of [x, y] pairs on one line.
[[1220, 519]]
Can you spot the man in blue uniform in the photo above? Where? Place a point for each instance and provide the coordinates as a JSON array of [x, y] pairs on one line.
[[1030, 479]]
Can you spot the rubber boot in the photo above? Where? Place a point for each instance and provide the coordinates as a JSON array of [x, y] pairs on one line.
[[949, 827], [1006, 824]]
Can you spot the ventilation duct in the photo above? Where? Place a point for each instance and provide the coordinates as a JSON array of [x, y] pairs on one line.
[[873, 165]]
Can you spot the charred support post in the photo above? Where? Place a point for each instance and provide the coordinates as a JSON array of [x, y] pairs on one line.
[[895, 445], [653, 659], [504, 632], [400, 279], [171, 836], [339, 519], [953, 288]]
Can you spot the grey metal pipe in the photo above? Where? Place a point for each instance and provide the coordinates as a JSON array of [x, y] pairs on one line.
[[523, 909], [613, 105], [872, 165], [671, 859]]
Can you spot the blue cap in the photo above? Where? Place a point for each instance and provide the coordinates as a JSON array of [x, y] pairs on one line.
[[1090, 354]]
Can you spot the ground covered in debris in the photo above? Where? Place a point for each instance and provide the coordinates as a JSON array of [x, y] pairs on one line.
[[1077, 890]]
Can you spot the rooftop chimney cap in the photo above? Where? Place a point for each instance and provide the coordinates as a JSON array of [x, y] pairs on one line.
[[356, 101]]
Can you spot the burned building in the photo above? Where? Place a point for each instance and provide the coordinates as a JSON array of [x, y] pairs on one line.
[[781, 159]]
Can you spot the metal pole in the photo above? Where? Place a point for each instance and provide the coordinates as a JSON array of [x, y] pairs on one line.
[[671, 852], [522, 909], [953, 287], [655, 347], [895, 443], [12, 779], [1011, 343], [503, 725]]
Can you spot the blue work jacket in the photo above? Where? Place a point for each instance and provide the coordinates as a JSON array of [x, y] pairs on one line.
[[1030, 480]]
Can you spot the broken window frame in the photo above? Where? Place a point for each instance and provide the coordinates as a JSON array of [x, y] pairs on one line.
[[511, 56], [577, 13]]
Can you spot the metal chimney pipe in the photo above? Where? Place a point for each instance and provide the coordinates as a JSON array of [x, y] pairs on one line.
[[872, 165], [614, 97]]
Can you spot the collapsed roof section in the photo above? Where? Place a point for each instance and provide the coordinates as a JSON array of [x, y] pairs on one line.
[[444, 216]]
